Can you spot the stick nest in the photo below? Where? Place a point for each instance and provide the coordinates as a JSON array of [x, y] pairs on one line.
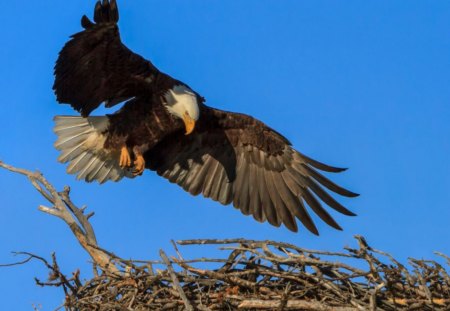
[[251, 275], [261, 275]]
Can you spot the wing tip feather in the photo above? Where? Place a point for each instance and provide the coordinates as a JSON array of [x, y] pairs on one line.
[[315, 231]]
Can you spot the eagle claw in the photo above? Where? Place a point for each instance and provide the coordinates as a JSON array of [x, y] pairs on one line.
[[125, 159], [139, 165]]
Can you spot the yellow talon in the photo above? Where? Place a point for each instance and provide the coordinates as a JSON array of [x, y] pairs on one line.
[[139, 165], [125, 159]]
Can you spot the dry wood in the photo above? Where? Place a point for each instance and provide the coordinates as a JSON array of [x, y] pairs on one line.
[[251, 275], [175, 281], [63, 208]]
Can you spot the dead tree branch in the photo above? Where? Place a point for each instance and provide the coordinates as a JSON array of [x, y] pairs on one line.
[[277, 278], [63, 208], [252, 275]]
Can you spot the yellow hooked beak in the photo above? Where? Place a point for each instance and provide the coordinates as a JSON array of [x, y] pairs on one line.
[[189, 123]]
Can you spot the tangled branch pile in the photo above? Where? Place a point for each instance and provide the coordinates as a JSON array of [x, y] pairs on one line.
[[253, 275], [263, 275]]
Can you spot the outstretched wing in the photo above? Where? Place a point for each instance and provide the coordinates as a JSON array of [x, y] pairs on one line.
[[233, 158], [95, 67]]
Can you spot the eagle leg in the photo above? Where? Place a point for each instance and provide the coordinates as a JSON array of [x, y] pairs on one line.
[[139, 161], [139, 165], [125, 158]]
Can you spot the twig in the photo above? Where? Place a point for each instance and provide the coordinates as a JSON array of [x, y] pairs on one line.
[[64, 209], [19, 262], [176, 282], [257, 275]]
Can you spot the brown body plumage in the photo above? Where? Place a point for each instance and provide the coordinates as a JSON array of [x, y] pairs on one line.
[[229, 157]]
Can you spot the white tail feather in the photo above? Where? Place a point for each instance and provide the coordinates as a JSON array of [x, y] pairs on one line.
[[81, 141]]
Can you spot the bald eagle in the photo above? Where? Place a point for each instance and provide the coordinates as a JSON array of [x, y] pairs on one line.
[[166, 127]]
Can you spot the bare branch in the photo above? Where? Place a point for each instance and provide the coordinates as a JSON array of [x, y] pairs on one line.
[[252, 275], [176, 282], [29, 258], [66, 210]]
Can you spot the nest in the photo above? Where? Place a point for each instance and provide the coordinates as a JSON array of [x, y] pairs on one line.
[[261, 275], [251, 275]]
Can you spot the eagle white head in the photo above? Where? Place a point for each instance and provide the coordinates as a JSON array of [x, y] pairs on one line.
[[182, 102]]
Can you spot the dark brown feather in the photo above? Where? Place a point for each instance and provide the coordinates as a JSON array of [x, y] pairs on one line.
[[328, 183], [319, 210], [95, 67], [197, 184], [272, 209], [328, 199], [289, 199], [320, 165], [249, 165], [230, 157], [266, 202], [255, 201]]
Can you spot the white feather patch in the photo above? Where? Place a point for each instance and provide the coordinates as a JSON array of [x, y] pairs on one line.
[[81, 142], [181, 99]]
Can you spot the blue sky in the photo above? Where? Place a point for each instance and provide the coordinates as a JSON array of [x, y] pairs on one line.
[[359, 84]]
